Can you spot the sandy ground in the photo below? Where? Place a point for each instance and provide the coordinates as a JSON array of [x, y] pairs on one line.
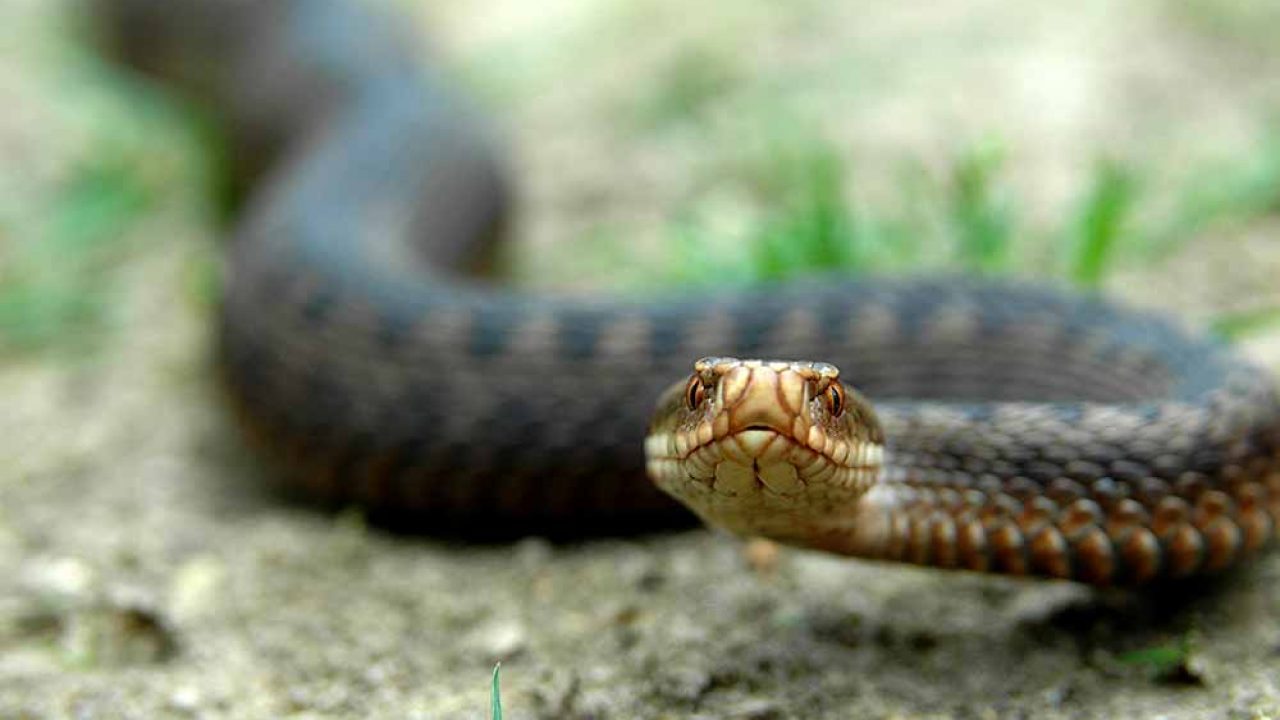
[[145, 573]]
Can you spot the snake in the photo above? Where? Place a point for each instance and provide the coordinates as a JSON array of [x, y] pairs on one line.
[[964, 423]]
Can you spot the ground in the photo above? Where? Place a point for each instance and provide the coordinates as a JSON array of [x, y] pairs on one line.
[[146, 572]]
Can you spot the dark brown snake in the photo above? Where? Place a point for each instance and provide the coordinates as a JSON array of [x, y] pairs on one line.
[[1020, 430]]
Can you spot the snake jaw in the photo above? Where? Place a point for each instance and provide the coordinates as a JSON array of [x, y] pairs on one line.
[[764, 447]]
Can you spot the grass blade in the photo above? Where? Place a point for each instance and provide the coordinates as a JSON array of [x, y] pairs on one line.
[[1239, 325], [1103, 217], [495, 694], [981, 218]]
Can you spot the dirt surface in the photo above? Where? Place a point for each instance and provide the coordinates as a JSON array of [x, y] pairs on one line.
[[145, 573]]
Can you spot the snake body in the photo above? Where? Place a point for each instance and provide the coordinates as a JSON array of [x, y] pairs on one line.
[[1025, 430]]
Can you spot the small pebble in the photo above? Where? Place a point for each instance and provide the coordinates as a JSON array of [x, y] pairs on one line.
[[62, 580], [185, 699], [762, 556], [500, 640], [197, 587]]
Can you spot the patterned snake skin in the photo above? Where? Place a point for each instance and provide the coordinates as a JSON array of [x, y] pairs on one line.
[[1028, 431]]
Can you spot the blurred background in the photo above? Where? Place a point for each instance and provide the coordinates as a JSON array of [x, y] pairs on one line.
[[1133, 149], [1127, 148]]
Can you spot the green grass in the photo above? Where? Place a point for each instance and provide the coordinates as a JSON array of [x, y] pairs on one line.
[[54, 281], [495, 694], [1238, 325], [813, 220], [807, 223], [810, 205], [979, 212], [63, 243], [965, 217], [1101, 223], [1170, 663]]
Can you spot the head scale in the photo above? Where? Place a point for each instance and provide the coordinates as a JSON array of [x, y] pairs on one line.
[[756, 445]]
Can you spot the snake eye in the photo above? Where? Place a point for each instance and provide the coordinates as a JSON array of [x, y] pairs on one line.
[[694, 392], [835, 398]]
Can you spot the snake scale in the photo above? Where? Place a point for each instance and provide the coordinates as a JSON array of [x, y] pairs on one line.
[[1016, 429]]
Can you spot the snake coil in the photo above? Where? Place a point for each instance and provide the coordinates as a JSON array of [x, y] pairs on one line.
[[1027, 431]]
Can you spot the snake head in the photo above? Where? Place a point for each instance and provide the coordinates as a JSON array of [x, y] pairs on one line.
[[765, 447]]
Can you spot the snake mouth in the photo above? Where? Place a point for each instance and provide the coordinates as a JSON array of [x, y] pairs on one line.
[[756, 458], [759, 458]]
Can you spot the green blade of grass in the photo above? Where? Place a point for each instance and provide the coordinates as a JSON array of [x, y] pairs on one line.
[[1169, 663], [1102, 217], [1160, 658], [495, 694], [1238, 325], [812, 227], [53, 284], [981, 219]]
